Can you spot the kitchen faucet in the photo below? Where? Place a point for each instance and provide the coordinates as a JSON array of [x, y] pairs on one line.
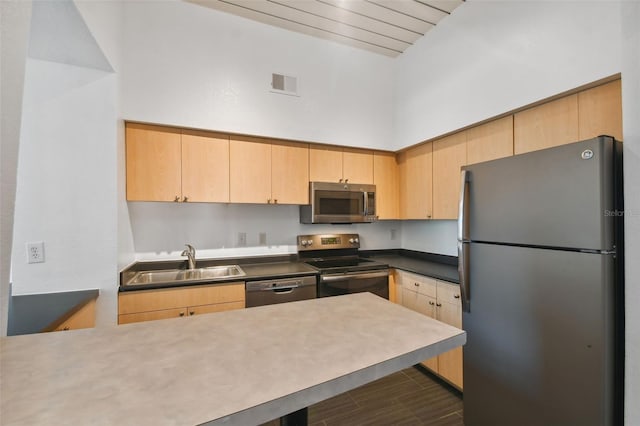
[[190, 252]]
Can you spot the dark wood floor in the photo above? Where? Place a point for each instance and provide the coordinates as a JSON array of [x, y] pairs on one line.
[[409, 397]]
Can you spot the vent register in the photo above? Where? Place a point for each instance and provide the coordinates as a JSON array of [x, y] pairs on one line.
[[284, 84]]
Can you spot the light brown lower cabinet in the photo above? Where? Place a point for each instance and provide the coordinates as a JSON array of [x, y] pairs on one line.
[[149, 305], [85, 317], [439, 300]]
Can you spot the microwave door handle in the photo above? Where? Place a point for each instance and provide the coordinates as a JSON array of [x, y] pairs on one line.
[[366, 203]]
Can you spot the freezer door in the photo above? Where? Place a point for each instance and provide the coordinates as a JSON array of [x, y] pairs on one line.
[[558, 197], [539, 338]]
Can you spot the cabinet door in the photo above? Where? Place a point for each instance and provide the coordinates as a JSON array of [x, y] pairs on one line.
[[290, 173], [450, 363], [449, 155], [152, 315], [153, 163], [490, 141], [325, 164], [357, 166], [415, 172], [205, 167], [551, 124], [85, 317], [217, 307], [600, 111], [249, 170], [132, 302], [386, 179]]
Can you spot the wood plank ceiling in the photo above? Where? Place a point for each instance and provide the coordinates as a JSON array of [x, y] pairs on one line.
[[387, 27]]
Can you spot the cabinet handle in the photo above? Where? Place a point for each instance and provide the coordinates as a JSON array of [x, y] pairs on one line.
[[65, 329], [340, 181], [181, 314], [438, 304], [185, 199], [428, 216], [346, 180], [268, 200], [416, 284], [456, 296], [191, 313], [431, 303], [177, 199], [275, 201]]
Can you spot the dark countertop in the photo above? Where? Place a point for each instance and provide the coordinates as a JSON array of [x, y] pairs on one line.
[[256, 268], [32, 313], [273, 267], [432, 265]]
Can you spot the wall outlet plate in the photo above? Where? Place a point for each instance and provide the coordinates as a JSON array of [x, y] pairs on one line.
[[242, 239], [35, 252], [262, 237]]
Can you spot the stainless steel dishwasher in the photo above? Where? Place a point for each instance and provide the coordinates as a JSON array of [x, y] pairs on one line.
[[272, 291]]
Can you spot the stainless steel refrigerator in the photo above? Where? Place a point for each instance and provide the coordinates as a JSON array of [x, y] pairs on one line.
[[541, 272]]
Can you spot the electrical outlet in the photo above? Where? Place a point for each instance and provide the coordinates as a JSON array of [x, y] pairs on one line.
[[242, 239], [35, 252], [393, 234], [262, 237]]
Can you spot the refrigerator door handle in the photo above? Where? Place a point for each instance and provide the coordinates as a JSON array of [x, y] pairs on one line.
[[463, 217], [463, 272]]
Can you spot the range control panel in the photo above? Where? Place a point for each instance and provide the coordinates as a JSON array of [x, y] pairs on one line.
[[328, 241]]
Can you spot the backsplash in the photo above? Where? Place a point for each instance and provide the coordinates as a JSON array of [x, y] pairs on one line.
[[160, 230]]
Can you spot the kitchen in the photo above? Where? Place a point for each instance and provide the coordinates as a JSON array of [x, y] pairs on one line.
[[114, 232]]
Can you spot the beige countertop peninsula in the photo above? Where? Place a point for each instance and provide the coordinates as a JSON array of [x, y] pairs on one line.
[[238, 367]]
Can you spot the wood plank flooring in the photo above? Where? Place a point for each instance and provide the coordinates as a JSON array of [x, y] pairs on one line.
[[409, 397]]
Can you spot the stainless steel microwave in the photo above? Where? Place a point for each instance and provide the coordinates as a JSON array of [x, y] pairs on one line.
[[339, 203]]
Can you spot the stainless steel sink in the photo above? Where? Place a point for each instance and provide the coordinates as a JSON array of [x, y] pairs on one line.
[[179, 275]]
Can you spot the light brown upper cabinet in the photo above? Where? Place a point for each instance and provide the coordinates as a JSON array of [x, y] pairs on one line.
[[544, 126], [600, 111], [386, 179], [449, 154], [263, 172], [154, 170], [249, 170], [165, 164], [415, 173], [290, 173], [337, 164], [205, 167], [490, 141]]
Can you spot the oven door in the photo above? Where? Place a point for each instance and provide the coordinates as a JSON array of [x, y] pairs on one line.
[[376, 282]]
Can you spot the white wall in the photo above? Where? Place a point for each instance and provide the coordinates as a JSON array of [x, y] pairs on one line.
[[162, 229], [14, 33], [490, 57], [631, 129], [66, 191], [196, 67]]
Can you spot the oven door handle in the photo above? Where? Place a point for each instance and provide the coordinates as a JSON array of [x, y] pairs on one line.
[[353, 276]]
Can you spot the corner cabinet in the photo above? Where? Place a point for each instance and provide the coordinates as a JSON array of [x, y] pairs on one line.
[[175, 302], [415, 170], [169, 164], [439, 300], [386, 180]]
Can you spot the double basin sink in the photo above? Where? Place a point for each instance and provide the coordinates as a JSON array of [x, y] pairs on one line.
[[163, 276]]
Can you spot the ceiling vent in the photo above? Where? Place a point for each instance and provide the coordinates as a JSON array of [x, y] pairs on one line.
[[284, 84]]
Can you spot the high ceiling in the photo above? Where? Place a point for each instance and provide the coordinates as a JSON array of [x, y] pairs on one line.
[[387, 27]]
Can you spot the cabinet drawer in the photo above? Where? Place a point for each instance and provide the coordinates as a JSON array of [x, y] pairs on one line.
[[172, 298], [219, 307], [421, 284], [448, 292], [152, 316]]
